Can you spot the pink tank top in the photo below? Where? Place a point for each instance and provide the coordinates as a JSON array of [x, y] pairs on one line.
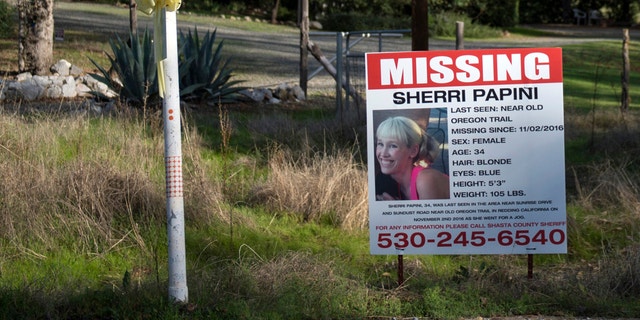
[[414, 178]]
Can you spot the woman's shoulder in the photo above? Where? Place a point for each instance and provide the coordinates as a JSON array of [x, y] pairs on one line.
[[432, 184], [432, 173]]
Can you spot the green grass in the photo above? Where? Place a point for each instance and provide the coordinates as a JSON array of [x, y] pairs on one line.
[[184, 16], [592, 74]]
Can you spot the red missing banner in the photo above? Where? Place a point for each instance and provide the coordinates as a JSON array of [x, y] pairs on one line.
[[419, 69]]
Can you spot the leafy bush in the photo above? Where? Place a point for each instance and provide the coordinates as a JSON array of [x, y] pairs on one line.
[[540, 12], [7, 20], [444, 25], [497, 13], [441, 24], [203, 72], [357, 21], [133, 70]]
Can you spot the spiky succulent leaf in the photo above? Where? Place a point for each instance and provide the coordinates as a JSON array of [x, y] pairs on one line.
[[134, 69], [203, 72]]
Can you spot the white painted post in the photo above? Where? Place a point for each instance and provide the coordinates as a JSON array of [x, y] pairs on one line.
[[173, 164]]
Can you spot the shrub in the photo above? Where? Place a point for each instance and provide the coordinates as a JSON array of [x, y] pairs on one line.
[[358, 21], [7, 20], [203, 72], [441, 24], [444, 25], [133, 70]]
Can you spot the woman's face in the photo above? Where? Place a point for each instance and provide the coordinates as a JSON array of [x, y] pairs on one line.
[[394, 156]]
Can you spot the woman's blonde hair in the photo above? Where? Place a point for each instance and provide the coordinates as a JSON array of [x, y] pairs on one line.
[[410, 133]]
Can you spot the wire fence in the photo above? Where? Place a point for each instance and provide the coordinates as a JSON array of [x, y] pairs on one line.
[[349, 60]]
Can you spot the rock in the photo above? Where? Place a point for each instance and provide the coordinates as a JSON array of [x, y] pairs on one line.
[[29, 89], [76, 71], [23, 76], [315, 25], [288, 92], [257, 94], [62, 68], [69, 87], [299, 93], [70, 81], [97, 86], [83, 90], [274, 100], [282, 92]]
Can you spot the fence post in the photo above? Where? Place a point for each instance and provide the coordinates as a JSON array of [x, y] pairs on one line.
[[459, 35], [304, 43], [339, 67], [173, 165], [626, 67]]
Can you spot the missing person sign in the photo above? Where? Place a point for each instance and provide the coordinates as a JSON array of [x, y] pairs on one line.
[[466, 152]]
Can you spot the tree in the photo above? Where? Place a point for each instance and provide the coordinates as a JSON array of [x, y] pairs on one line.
[[420, 25], [274, 12], [133, 17], [35, 47]]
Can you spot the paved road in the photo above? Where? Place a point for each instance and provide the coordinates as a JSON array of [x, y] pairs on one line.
[[267, 59]]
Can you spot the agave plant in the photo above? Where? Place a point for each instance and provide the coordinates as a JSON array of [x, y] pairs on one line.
[[203, 72], [133, 69]]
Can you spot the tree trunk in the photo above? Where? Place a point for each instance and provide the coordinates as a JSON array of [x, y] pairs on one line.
[[22, 16], [626, 70], [274, 12], [133, 17], [420, 25], [626, 12], [567, 14], [36, 40], [304, 43]]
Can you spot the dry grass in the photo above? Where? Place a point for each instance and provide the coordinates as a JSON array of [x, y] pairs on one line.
[[275, 276], [95, 182], [317, 185], [610, 132], [607, 185], [610, 185]]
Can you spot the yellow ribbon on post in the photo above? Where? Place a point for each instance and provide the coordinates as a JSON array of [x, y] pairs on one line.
[[159, 8]]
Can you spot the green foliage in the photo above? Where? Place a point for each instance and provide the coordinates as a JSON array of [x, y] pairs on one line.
[[441, 24], [385, 8], [444, 25], [496, 13], [203, 72], [540, 12], [354, 21], [7, 20], [133, 70], [592, 74]]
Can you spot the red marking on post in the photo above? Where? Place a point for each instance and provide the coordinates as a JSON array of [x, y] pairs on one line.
[[173, 167]]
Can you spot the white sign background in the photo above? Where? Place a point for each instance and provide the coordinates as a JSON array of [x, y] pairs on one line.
[[505, 145]]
